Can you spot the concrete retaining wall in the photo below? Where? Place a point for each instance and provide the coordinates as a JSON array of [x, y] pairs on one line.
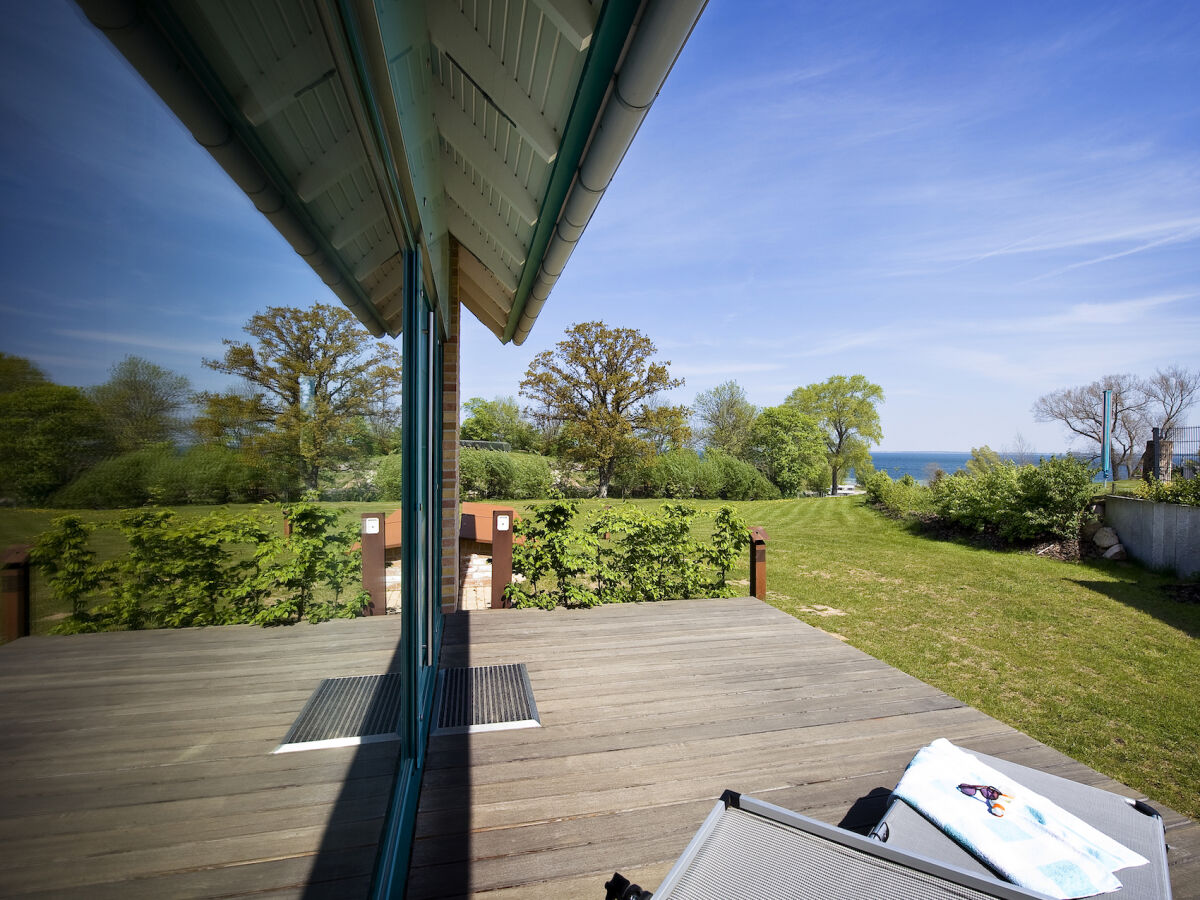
[[1158, 535]]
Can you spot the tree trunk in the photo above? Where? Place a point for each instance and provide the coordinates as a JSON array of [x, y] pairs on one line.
[[833, 490], [605, 476]]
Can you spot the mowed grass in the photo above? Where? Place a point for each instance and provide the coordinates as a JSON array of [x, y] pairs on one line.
[[1091, 658]]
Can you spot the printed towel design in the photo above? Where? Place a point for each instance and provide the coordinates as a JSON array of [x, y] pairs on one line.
[[1025, 837]]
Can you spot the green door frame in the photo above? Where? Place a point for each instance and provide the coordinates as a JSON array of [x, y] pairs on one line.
[[420, 530]]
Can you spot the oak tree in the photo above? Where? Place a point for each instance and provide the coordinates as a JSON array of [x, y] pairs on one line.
[[351, 376], [598, 384], [845, 409]]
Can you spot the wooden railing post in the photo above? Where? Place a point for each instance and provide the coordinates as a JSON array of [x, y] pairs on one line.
[[374, 574], [502, 561], [14, 593], [758, 562]]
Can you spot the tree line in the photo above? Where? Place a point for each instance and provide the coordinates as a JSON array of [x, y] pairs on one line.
[[314, 389], [597, 401]]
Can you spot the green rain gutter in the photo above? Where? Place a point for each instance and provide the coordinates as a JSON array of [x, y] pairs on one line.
[[612, 31]]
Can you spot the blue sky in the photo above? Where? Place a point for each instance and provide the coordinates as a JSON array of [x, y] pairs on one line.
[[971, 204]]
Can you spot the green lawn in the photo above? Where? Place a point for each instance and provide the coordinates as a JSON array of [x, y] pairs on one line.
[[1091, 658]]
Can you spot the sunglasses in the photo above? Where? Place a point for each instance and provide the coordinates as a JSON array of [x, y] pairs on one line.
[[989, 794]]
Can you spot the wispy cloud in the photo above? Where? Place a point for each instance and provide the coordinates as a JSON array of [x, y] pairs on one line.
[[151, 342]]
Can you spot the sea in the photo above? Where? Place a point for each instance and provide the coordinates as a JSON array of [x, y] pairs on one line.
[[921, 464]]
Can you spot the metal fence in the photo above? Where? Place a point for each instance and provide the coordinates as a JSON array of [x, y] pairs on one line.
[[486, 445], [1176, 453]]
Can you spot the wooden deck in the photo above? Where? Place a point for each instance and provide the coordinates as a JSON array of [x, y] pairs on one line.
[[649, 713], [139, 764]]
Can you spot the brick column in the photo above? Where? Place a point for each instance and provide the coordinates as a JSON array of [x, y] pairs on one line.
[[450, 405]]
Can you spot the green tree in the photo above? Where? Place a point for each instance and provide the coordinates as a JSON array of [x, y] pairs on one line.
[[18, 373], [982, 460], [351, 374], [141, 403], [845, 409], [597, 383], [789, 447], [498, 420], [724, 418], [49, 433]]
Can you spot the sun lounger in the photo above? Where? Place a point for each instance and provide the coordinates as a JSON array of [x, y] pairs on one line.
[[751, 850], [1133, 823]]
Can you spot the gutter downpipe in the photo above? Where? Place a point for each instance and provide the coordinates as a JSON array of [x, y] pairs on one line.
[[652, 52], [145, 47]]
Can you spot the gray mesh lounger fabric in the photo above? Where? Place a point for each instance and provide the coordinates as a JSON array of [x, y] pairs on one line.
[[751, 850]]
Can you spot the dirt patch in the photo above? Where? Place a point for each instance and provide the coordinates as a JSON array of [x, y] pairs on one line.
[[817, 609], [1183, 593]]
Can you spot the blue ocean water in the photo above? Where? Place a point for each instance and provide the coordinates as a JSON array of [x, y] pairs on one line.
[[921, 464]]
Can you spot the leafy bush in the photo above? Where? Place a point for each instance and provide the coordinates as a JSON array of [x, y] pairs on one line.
[[211, 570], [1019, 502], [621, 555], [159, 474], [904, 497], [1016, 503], [122, 481], [69, 567], [1052, 497], [494, 474], [984, 502], [388, 477], [1186, 492], [682, 474]]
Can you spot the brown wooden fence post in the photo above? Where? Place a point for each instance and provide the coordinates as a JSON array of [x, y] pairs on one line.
[[502, 546], [758, 562], [374, 574], [14, 593]]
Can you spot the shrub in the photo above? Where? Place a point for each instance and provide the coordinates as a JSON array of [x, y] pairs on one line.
[[1051, 498], [388, 477], [620, 555], [682, 474], [1186, 492], [494, 474], [210, 570], [905, 497], [122, 481], [160, 474], [983, 502], [1018, 503]]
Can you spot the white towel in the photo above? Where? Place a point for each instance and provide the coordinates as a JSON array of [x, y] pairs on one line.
[[1035, 844]]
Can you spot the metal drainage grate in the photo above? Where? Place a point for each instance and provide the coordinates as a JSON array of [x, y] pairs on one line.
[[343, 712], [485, 698]]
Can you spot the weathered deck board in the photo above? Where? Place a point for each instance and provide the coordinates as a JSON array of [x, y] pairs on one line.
[[648, 713], [139, 764]]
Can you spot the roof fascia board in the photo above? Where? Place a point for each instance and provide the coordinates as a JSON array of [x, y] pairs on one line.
[[612, 32]]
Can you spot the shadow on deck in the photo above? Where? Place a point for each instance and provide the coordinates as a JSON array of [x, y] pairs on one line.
[[139, 764], [649, 712]]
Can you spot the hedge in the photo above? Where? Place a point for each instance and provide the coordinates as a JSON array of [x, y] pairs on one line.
[[496, 475]]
